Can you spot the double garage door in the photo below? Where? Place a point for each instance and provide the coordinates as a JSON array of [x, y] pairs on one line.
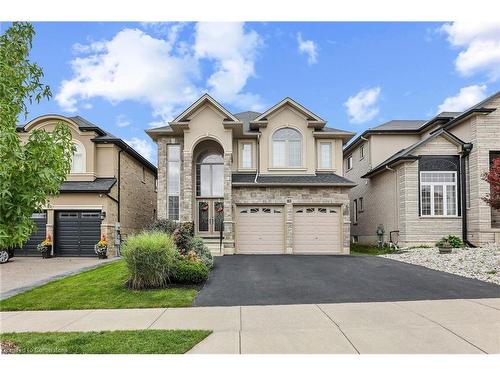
[[261, 230], [75, 233]]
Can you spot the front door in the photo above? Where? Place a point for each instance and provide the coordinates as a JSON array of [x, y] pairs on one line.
[[210, 216]]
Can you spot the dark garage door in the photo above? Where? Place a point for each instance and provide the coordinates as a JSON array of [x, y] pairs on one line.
[[38, 235], [77, 232]]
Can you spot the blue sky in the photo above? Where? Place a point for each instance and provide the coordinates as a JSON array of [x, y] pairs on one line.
[[127, 77]]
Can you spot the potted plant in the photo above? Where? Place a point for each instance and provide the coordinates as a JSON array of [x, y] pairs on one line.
[[444, 246], [45, 247], [101, 248]]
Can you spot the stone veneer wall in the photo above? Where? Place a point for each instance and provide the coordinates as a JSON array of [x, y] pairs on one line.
[[288, 196]]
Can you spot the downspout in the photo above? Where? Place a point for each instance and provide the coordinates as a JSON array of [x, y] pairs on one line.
[[466, 149], [119, 183], [258, 158]]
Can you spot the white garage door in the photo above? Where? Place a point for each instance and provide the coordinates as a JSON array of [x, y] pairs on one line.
[[260, 230], [316, 230]]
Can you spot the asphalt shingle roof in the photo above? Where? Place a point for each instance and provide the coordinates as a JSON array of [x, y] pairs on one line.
[[400, 125], [320, 178], [246, 117], [99, 185]]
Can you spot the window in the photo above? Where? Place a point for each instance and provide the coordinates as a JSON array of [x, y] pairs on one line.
[[361, 152], [355, 212], [287, 148], [173, 181], [438, 193], [360, 204], [325, 155], [143, 174], [246, 156], [349, 162], [210, 175], [78, 161]]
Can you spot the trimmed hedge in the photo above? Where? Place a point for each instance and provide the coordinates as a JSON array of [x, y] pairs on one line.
[[202, 251], [187, 271]]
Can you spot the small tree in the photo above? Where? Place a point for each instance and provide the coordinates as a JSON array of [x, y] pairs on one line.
[[33, 171], [493, 177]]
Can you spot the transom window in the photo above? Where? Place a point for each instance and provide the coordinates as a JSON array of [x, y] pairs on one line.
[[438, 193], [210, 175], [287, 148], [78, 161]]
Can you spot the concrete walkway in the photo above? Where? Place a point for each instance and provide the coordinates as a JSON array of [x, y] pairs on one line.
[[439, 326]]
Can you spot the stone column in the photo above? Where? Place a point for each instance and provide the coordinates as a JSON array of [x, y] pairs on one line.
[[346, 228], [161, 209], [186, 198], [289, 226], [228, 205]]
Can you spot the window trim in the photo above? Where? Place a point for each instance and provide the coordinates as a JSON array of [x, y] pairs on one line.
[[360, 204], [331, 166], [286, 166], [361, 152], [355, 211], [83, 152], [252, 155], [347, 163], [445, 201]]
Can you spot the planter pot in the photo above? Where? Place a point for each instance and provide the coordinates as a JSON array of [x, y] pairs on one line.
[[47, 253], [102, 256], [445, 250]]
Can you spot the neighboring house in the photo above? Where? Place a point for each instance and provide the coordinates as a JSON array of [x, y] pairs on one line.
[[422, 180], [271, 181], [110, 192]]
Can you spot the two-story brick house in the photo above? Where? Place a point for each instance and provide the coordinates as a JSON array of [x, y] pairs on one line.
[[110, 191], [422, 179], [271, 182]]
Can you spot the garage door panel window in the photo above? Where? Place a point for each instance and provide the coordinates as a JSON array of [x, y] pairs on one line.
[[438, 193]]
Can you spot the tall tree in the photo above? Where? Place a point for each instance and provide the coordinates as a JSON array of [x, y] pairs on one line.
[[30, 172], [493, 177]]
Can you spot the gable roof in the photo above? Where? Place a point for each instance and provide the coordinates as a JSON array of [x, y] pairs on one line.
[[103, 136], [312, 118], [205, 98], [405, 154]]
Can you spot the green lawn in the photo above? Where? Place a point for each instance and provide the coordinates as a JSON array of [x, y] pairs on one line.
[[358, 249], [112, 342], [99, 288]]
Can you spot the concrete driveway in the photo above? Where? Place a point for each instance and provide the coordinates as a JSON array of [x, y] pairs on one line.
[[241, 280], [23, 273]]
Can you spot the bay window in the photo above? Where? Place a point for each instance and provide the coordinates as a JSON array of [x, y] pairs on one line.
[[287, 148], [173, 181], [438, 193]]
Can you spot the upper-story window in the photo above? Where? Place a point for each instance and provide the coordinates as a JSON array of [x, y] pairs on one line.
[[246, 155], [78, 161], [210, 175], [325, 155], [349, 162], [287, 148], [361, 152]]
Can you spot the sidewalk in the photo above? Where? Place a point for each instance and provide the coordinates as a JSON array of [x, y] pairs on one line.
[[440, 326]]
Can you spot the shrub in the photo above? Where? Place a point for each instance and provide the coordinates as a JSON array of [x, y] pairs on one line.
[[150, 257], [450, 241], [163, 225], [182, 236], [189, 271], [196, 244]]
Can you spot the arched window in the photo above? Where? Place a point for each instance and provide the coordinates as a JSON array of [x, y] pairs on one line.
[[78, 161], [287, 148], [210, 175]]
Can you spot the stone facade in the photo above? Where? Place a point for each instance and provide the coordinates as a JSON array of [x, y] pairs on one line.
[[290, 196]]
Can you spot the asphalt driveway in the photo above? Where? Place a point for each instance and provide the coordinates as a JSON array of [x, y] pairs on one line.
[[282, 279]]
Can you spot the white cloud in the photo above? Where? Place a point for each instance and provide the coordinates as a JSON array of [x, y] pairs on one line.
[[466, 97], [122, 121], [309, 48], [480, 43], [143, 147], [233, 49], [362, 107], [164, 72]]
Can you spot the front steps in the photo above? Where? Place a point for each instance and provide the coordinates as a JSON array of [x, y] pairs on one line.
[[214, 245]]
